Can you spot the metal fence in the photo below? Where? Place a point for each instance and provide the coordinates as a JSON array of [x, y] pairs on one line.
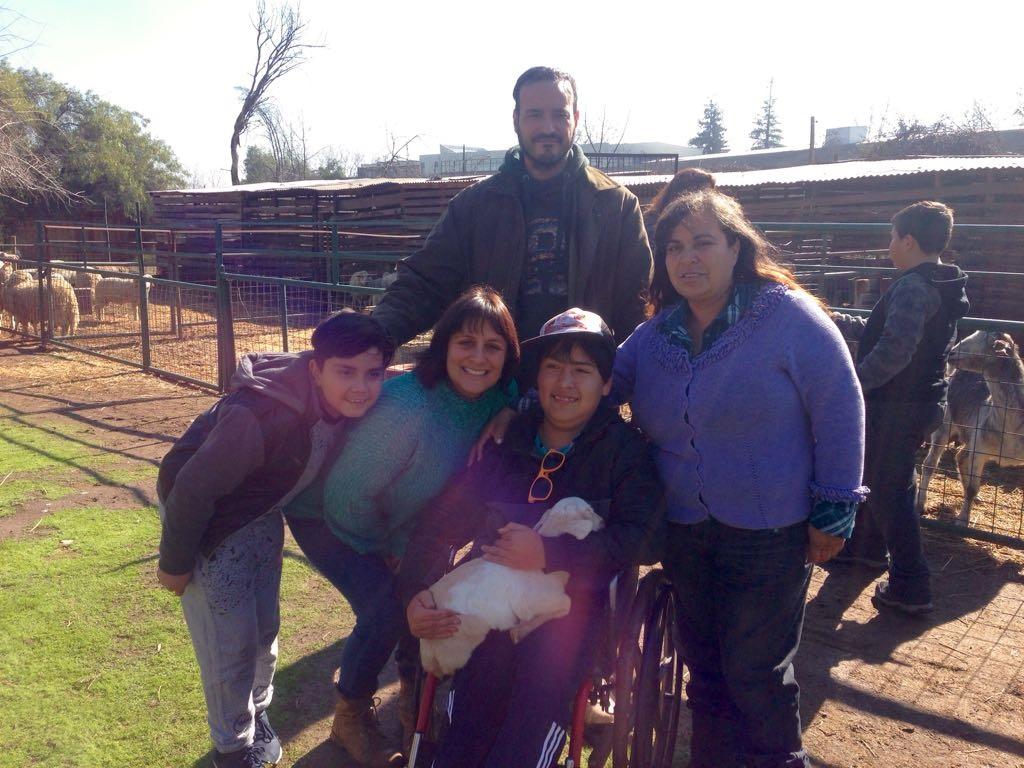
[[190, 315]]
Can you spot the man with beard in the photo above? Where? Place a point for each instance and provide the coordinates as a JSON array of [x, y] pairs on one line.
[[547, 231]]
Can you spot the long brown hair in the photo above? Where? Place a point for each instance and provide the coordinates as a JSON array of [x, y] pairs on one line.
[[756, 258], [686, 181], [479, 305]]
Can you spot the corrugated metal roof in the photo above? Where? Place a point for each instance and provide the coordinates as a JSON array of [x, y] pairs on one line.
[[310, 185], [857, 169], [800, 174]]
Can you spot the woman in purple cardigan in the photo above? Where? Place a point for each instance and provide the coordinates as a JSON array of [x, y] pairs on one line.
[[748, 392]]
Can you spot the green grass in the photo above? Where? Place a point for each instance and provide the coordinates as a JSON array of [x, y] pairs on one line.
[[96, 665], [40, 460]]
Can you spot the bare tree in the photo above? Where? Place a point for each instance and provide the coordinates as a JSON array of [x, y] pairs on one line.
[[279, 50], [602, 137], [27, 172], [395, 146]]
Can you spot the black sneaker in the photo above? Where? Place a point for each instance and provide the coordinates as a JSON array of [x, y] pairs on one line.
[[247, 757], [265, 740], [883, 598]]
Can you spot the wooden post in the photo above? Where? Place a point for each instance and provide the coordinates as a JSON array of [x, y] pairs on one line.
[[85, 255], [43, 326], [143, 292], [225, 327]]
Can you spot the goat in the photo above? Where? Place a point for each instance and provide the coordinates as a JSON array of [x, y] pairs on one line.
[[490, 596], [984, 416]]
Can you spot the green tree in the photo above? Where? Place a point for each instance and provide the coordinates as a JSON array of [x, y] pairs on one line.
[[93, 148], [767, 133], [710, 131], [259, 165]]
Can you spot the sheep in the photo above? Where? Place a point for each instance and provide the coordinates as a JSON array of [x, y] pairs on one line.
[[490, 596], [359, 279], [63, 307], [117, 290], [7, 262], [985, 414], [383, 282], [21, 297]]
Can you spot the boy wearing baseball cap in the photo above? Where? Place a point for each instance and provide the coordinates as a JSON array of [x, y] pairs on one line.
[[511, 703]]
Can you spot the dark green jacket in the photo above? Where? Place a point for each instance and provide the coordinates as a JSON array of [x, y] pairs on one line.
[[481, 239]]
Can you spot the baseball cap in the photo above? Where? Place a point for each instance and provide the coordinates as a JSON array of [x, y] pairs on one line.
[[574, 321]]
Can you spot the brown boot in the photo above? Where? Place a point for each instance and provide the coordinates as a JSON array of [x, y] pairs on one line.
[[355, 728], [408, 709]]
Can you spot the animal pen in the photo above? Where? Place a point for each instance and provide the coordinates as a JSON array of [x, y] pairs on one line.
[[253, 268]]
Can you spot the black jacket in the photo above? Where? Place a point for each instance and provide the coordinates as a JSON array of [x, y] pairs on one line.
[[239, 458], [922, 380], [481, 238], [610, 466]]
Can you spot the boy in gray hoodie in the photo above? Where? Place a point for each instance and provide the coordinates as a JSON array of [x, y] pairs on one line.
[[901, 363], [221, 490]]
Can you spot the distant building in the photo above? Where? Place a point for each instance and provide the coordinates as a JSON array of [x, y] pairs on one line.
[[395, 169], [461, 160], [850, 134]]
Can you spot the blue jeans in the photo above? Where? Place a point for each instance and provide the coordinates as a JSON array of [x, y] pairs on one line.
[[368, 584], [888, 521], [741, 600]]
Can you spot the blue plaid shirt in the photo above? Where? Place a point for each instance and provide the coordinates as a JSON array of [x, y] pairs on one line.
[[831, 517]]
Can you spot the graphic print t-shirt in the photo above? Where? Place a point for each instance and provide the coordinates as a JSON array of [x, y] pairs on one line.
[[544, 290]]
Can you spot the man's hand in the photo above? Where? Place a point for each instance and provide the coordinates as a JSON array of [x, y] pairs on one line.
[[174, 582], [427, 621], [519, 547], [495, 430], [822, 547]]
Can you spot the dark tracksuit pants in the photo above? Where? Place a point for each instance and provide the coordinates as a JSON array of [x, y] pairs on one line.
[[888, 521], [511, 705], [741, 611]]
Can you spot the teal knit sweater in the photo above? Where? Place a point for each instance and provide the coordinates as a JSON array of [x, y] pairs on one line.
[[397, 458]]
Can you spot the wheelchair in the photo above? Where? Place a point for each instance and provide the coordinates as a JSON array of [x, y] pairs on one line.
[[637, 684]]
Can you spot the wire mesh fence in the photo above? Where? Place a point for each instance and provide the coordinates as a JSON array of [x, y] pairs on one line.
[[190, 315], [972, 470]]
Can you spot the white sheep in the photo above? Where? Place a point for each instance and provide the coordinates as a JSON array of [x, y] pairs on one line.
[[117, 290], [21, 298], [490, 596], [63, 307], [7, 262]]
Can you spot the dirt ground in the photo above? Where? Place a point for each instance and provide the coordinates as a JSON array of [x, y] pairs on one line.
[[877, 690]]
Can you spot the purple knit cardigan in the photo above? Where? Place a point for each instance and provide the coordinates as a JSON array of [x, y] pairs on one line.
[[757, 427]]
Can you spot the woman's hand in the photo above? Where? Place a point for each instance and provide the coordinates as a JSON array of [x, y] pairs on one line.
[[822, 547], [174, 582], [495, 430], [427, 621], [519, 547]]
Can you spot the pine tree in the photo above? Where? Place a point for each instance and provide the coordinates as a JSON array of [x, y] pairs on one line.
[[711, 133], [767, 133]]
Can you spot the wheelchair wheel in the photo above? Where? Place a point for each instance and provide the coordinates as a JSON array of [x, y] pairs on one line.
[[648, 679]]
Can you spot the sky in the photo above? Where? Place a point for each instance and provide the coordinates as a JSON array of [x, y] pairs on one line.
[[443, 71]]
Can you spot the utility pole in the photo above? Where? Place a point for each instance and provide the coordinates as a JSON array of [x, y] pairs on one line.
[[810, 150]]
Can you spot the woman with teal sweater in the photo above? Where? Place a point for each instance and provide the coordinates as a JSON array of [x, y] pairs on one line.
[[353, 526]]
